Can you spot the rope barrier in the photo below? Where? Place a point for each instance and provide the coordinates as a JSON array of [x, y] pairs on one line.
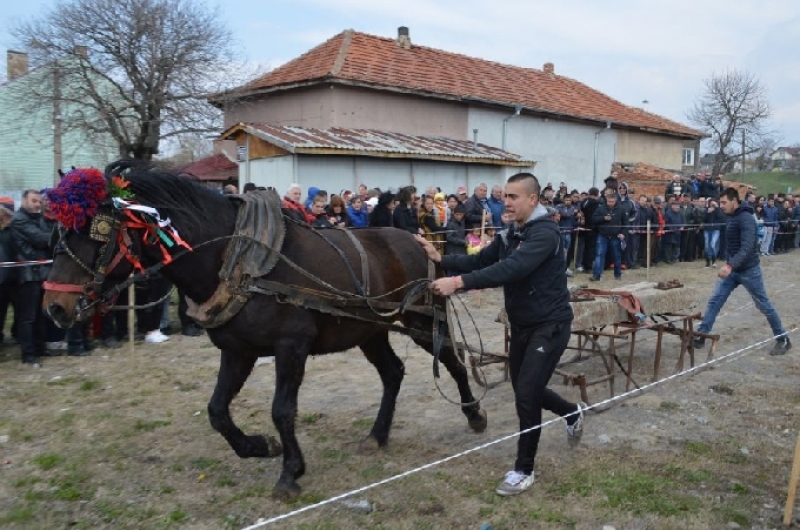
[[725, 358], [10, 264]]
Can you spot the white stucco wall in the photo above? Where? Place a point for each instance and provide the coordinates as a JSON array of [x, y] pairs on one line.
[[563, 151]]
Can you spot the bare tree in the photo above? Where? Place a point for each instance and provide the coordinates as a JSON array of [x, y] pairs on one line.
[[733, 110], [137, 70]]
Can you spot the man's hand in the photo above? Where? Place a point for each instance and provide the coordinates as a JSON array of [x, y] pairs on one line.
[[621, 236], [432, 253], [446, 286], [725, 271]]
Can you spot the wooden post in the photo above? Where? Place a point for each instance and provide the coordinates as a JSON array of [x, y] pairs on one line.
[[790, 496], [483, 235], [575, 254], [648, 250], [131, 315]]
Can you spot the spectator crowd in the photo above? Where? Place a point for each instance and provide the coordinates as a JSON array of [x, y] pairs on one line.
[[601, 230]]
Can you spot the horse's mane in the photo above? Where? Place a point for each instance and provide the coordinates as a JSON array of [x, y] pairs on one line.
[[188, 204]]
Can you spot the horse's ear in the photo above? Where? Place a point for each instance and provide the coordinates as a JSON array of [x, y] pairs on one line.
[[117, 168], [60, 173]]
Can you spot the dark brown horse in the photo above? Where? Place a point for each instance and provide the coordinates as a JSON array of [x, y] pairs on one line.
[[266, 325]]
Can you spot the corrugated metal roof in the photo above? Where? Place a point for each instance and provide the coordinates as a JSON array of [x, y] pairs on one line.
[[371, 142], [216, 167]]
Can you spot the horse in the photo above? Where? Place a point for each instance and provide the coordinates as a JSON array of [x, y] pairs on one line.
[[100, 245]]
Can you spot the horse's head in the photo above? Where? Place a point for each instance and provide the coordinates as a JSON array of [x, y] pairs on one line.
[[87, 263], [103, 236]]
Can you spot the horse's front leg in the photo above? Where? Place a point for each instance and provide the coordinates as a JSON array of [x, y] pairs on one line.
[[234, 370], [290, 365]]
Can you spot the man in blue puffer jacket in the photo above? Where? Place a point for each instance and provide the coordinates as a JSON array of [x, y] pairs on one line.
[[742, 268]]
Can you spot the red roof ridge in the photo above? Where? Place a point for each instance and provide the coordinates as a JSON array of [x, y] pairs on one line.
[[344, 48], [362, 59]]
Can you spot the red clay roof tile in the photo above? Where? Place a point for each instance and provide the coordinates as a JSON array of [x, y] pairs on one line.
[[380, 62]]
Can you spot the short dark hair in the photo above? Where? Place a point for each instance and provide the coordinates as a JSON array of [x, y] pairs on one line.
[[28, 192], [460, 208], [731, 194], [250, 186], [521, 177], [594, 192]]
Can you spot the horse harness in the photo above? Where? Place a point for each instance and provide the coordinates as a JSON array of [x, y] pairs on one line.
[[252, 252]]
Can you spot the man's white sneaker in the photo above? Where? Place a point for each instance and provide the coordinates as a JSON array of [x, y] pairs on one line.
[[155, 337], [569, 273], [514, 483], [56, 346], [575, 431]]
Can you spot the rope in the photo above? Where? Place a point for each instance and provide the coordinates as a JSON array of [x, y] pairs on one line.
[[728, 357]]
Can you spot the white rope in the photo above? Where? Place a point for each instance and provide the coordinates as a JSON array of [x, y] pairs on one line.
[[330, 500]]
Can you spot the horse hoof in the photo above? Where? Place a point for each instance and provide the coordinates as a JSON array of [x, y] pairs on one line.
[[369, 445], [285, 492], [479, 421]]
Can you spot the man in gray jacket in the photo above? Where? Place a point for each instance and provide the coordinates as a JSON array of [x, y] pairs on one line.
[[30, 233], [528, 261]]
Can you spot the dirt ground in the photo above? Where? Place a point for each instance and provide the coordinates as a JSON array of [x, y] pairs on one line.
[[121, 439]]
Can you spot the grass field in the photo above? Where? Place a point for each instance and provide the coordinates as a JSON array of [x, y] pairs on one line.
[[767, 182]]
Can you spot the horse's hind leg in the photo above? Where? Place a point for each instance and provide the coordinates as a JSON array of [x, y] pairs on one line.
[[379, 352], [447, 355], [290, 365], [234, 370]]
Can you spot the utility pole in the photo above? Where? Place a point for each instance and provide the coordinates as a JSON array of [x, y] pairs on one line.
[[743, 151], [57, 131]]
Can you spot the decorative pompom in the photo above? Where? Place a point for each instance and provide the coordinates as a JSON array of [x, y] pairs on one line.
[[77, 197]]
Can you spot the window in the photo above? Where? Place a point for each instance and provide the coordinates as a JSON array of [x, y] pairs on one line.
[[688, 156]]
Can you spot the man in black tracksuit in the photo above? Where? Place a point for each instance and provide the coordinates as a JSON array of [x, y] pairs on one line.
[[528, 261]]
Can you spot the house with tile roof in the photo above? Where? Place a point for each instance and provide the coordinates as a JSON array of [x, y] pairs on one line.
[[786, 158], [359, 82]]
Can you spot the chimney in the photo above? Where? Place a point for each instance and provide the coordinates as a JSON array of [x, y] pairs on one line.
[[82, 52], [403, 38], [16, 64], [549, 68]]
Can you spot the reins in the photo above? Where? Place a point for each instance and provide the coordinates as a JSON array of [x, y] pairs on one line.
[[329, 299]]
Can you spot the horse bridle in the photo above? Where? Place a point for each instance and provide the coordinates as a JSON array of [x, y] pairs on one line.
[[106, 229]]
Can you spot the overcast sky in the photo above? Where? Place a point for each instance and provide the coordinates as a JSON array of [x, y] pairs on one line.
[[634, 50]]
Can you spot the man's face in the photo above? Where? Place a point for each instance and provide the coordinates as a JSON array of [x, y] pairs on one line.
[[497, 193], [481, 191], [642, 201], [567, 201], [32, 203], [771, 202], [362, 190], [676, 206], [519, 201], [611, 200], [458, 216], [318, 207], [728, 206], [295, 194]]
